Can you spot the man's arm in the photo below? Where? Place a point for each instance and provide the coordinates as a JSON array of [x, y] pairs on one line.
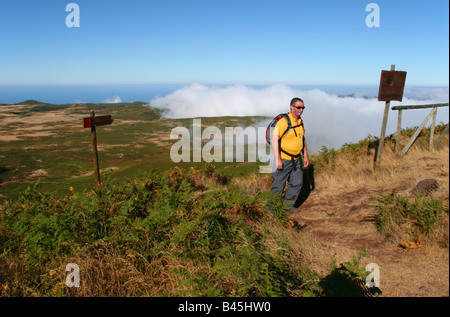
[[305, 154], [276, 151]]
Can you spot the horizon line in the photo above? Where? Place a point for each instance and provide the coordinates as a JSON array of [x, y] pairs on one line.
[[224, 83]]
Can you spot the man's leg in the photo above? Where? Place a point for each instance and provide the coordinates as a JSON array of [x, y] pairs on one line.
[[295, 184], [280, 177], [279, 183]]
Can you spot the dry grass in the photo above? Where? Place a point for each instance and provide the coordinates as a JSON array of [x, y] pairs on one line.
[[340, 221], [394, 171]]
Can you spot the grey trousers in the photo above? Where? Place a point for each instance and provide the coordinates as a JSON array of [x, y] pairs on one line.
[[294, 176]]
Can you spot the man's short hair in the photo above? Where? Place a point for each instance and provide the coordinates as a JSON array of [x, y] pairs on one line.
[[295, 100]]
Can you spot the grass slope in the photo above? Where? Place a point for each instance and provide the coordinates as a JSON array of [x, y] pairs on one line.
[[206, 230]]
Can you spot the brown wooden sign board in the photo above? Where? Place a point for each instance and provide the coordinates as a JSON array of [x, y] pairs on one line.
[[97, 121], [392, 84], [92, 122]]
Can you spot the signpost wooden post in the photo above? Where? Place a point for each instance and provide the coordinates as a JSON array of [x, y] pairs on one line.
[[92, 122], [392, 84]]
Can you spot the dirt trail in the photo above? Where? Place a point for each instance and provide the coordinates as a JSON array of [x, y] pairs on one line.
[[341, 221]]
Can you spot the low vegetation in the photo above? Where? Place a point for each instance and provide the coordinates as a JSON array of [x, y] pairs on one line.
[[413, 220], [177, 233], [193, 230]]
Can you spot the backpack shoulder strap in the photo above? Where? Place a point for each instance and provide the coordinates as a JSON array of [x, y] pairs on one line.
[[286, 116]]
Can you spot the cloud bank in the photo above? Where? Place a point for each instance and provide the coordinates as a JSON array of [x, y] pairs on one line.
[[115, 99], [330, 120]]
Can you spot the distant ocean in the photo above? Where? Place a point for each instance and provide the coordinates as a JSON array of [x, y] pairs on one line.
[[60, 94]]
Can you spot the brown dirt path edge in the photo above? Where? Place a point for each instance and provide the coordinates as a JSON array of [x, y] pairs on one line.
[[341, 222]]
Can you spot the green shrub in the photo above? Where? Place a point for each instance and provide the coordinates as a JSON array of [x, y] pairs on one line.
[[397, 212], [363, 147], [161, 225], [325, 157]]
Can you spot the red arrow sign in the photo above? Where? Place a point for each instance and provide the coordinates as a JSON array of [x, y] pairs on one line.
[[97, 121]]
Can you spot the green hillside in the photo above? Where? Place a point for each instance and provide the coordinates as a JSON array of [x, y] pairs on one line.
[[49, 142], [153, 228]]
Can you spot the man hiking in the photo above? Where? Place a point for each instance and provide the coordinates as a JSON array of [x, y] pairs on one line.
[[287, 145]]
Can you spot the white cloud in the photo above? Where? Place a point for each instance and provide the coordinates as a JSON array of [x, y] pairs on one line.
[[438, 94], [115, 99], [330, 120]]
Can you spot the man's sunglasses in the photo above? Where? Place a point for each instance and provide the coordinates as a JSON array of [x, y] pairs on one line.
[[301, 107]]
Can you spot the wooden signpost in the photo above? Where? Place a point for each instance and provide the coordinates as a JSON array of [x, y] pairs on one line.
[[93, 122], [392, 84]]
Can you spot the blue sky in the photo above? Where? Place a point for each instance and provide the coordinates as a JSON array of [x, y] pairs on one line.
[[320, 42]]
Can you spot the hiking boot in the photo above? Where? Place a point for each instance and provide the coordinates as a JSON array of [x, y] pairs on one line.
[[292, 210]]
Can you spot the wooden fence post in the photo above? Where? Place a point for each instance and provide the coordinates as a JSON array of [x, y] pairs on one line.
[[419, 129], [441, 137], [433, 113], [383, 130], [94, 147], [433, 123], [399, 132]]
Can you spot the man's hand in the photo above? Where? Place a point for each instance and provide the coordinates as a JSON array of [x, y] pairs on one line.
[[305, 155], [279, 164], [305, 162]]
